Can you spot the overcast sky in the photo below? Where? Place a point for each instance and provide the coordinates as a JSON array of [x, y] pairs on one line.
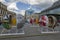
[[19, 6]]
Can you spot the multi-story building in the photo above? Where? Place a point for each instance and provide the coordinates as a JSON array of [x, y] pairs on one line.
[[4, 11]]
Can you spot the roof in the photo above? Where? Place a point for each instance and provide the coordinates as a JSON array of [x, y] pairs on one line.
[[54, 6]]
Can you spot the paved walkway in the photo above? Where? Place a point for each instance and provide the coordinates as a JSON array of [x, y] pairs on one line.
[[32, 30]]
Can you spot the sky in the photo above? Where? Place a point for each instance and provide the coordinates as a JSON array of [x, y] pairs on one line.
[[20, 6]]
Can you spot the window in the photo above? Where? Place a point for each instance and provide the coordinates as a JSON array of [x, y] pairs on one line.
[[0, 11], [55, 11], [1, 5], [5, 12]]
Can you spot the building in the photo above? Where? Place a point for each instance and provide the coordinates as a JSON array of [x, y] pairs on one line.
[[4, 11], [54, 11], [55, 7]]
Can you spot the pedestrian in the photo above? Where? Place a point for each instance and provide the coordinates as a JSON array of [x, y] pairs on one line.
[[0, 22], [31, 21], [34, 20]]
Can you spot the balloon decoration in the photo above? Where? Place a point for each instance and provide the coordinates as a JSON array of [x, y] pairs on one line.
[[49, 21], [44, 20], [6, 25], [52, 21]]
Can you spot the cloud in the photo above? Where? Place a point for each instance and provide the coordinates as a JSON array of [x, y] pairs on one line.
[[37, 4], [33, 2], [22, 12], [12, 7], [2, 0], [40, 4], [44, 4]]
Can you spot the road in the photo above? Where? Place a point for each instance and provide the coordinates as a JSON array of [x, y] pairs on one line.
[[49, 37]]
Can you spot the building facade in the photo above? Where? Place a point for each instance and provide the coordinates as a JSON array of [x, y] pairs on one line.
[[4, 12]]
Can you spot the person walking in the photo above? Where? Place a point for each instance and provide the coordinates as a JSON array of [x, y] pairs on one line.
[[31, 21]]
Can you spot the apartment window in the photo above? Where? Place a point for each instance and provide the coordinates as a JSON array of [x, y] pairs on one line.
[[6, 12], [55, 11], [0, 11], [3, 11], [1, 5]]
